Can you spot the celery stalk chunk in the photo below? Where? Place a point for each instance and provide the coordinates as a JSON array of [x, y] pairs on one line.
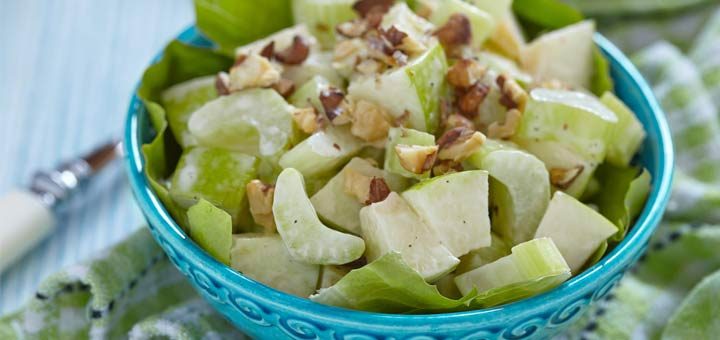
[[480, 257], [392, 225], [482, 24], [627, 135], [254, 121], [564, 54], [532, 262], [455, 207], [340, 209], [321, 17], [322, 152], [407, 137], [264, 258], [576, 229], [216, 175], [318, 63], [411, 92], [306, 238], [519, 192], [308, 95], [211, 228], [567, 130], [181, 100]]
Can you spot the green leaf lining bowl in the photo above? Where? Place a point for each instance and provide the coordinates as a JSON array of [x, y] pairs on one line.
[[263, 312]]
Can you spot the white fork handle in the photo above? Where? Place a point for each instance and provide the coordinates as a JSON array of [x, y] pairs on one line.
[[24, 222]]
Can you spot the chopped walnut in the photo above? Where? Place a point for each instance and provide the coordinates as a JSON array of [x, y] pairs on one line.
[[222, 84], [370, 66], [285, 87], [459, 143], [417, 159], [393, 35], [411, 46], [357, 185], [508, 128], [465, 73], [260, 197], [513, 96], [400, 58], [456, 31], [369, 121], [379, 191], [252, 71], [469, 101], [352, 29], [364, 7], [337, 109], [269, 50], [445, 167], [306, 119], [563, 178], [296, 53], [458, 121]]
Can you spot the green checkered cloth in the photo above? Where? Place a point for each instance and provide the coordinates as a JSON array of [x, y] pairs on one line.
[[133, 291]]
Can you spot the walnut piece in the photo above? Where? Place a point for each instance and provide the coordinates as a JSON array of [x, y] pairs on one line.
[[285, 87], [337, 109], [306, 119], [456, 121], [417, 159], [352, 29], [367, 189], [465, 73], [459, 143], [563, 178], [296, 53], [456, 31], [252, 71], [260, 196], [446, 167], [369, 121], [364, 7], [469, 101], [513, 96], [508, 128], [222, 84]]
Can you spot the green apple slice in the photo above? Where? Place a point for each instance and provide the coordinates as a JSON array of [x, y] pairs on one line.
[[322, 152], [508, 38], [181, 100], [321, 17], [501, 65], [558, 156], [404, 19], [265, 259], [405, 136], [318, 63], [218, 176], [211, 228], [564, 54], [282, 39], [455, 207], [498, 9], [392, 225], [420, 84], [254, 121], [519, 192], [576, 229], [340, 209], [627, 135], [306, 238], [480, 257], [529, 262], [482, 24]]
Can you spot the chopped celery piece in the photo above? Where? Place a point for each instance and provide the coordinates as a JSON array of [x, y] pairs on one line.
[[519, 192], [482, 24], [564, 54], [392, 225], [322, 152], [321, 17], [405, 20], [305, 237], [576, 241], [626, 136], [308, 95], [216, 175], [480, 257], [181, 100], [340, 209], [419, 84], [254, 121], [318, 63], [282, 40], [530, 261], [455, 207], [264, 258], [211, 228], [405, 136]]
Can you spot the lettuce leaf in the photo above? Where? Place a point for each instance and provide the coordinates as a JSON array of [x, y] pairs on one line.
[[180, 62], [623, 195], [233, 23], [537, 16]]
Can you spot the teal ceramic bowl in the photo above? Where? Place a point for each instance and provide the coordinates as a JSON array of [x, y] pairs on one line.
[[266, 313]]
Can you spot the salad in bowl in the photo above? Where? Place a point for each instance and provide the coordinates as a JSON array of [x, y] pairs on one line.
[[390, 158]]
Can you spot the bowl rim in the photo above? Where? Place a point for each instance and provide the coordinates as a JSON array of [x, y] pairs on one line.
[[158, 217]]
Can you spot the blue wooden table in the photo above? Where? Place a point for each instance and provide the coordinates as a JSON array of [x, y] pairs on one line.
[[67, 70]]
